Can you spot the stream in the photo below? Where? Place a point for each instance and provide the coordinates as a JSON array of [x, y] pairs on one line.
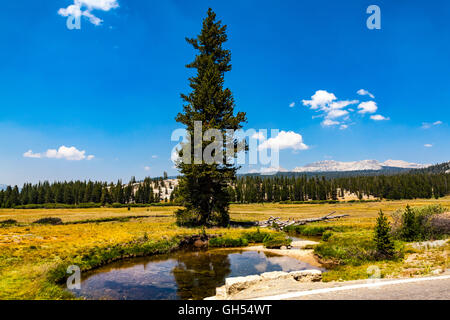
[[180, 275]]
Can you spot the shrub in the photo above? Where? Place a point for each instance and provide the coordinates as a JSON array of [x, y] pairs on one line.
[[187, 218], [416, 224], [225, 242], [327, 235], [8, 222], [314, 230], [351, 248], [256, 237], [383, 240], [52, 221], [116, 205], [440, 223], [276, 241], [310, 202], [194, 218], [58, 206]]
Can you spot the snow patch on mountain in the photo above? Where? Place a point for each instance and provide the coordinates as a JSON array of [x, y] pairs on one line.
[[333, 166]]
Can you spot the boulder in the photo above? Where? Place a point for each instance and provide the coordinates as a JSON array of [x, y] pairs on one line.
[[276, 275], [236, 284], [307, 275], [221, 293], [200, 244]]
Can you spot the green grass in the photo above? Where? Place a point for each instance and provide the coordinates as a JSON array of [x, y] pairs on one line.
[[256, 236], [276, 241], [314, 229], [352, 248], [227, 242], [244, 239]]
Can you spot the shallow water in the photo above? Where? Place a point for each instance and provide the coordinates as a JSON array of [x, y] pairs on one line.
[[180, 275]]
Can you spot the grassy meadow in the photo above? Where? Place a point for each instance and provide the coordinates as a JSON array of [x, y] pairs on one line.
[[33, 258]]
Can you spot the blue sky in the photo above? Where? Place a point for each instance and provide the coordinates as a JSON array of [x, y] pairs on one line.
[[112, 88]]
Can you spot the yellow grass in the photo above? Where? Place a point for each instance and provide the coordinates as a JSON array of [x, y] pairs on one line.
[[361, 214], [71, 215], [28, 252]]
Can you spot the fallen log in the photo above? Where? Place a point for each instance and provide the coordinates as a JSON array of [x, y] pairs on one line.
[[283, 224]]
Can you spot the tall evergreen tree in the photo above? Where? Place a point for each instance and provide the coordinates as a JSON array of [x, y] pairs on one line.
[[203, 187], [383, 240]]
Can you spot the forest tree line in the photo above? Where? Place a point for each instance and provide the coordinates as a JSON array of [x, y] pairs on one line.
[[256, 189], [246, 189], [78, 192]]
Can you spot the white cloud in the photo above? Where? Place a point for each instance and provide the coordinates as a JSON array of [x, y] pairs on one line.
[[154, 156], [329, 123], [259, 136], [72, 10], [92, 19], [75, 9], [284, 140], [342, 104], [320, 99], [428, 145], [378, 117], [30, 154], [104, 5], [426, 125], [292, 105], [330, 107], [336, 113], [363, 92], [147, 168], [67, 153], [174, 155], [368, 107]]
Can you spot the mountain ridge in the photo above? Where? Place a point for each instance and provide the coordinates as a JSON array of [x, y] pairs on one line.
[[362, 165], [333, 166]]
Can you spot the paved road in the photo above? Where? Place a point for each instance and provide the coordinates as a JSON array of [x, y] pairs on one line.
[[431, 288]]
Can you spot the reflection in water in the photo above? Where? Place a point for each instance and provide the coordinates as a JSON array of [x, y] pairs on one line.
[[199, 274], [181, 275]]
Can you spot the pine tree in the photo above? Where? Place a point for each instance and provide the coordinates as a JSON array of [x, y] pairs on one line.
[[409, 231], [203, 187], [383, 240]]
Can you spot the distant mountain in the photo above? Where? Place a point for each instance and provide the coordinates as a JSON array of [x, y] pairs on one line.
[[339, 166], [3, 186], [334, 169]]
